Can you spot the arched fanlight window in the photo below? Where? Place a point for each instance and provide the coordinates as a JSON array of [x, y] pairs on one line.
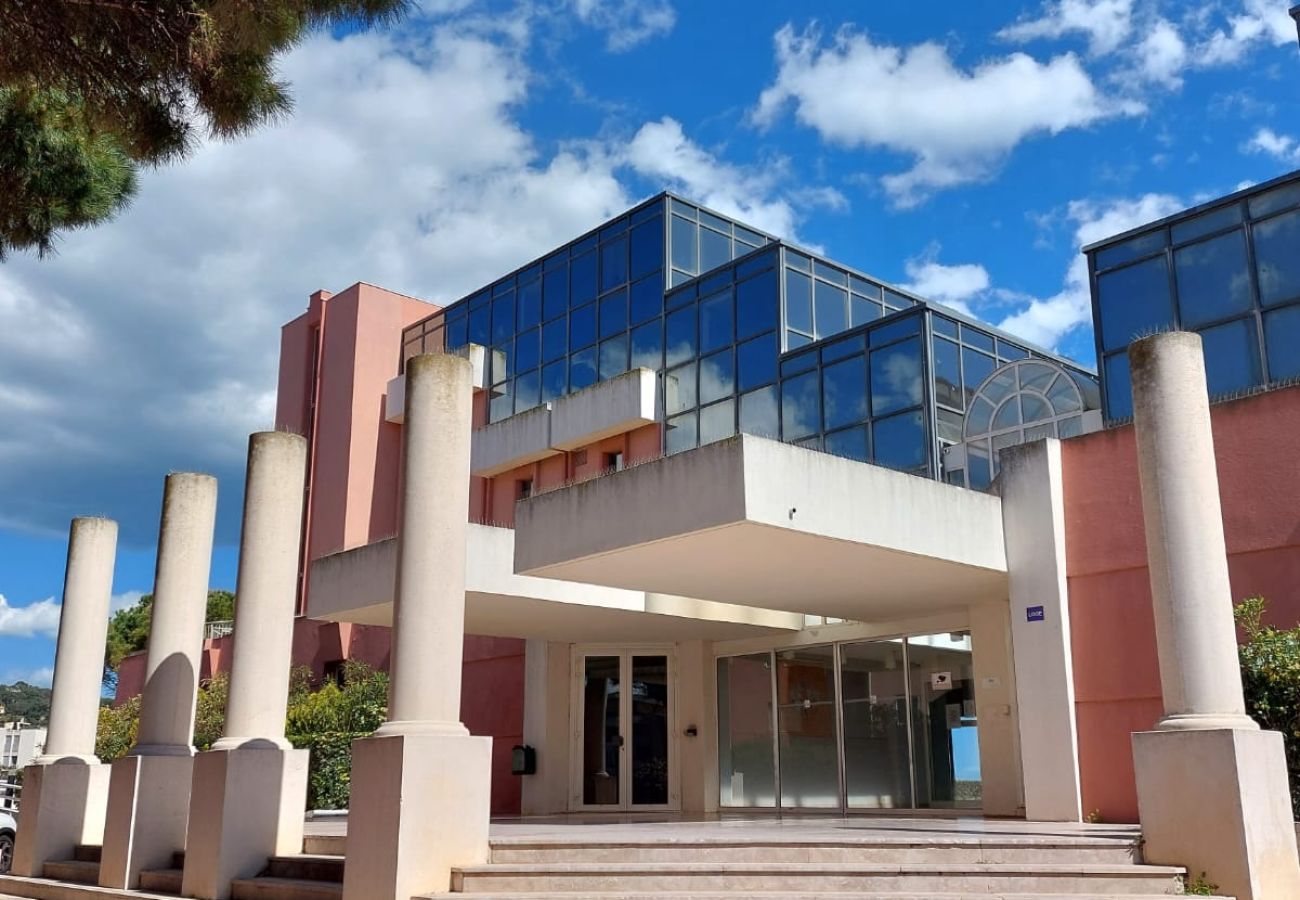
[[1022, 401]]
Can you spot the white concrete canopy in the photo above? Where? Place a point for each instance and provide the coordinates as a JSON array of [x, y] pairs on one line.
[[761, 523], [357, 586]]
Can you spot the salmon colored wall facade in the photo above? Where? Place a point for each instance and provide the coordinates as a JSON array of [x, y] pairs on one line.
[[1116, 671]]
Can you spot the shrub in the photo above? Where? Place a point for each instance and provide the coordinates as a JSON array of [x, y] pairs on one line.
[[1270, 675]]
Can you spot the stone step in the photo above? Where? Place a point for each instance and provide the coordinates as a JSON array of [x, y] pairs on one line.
[[268, 888], [306, 867], [905, 850], [78, 871], [797, 895], [48, 889], [88, 852], [161, 881], [1083, 879], [324, 844]]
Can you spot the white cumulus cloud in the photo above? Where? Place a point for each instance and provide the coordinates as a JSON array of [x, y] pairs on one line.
[[627, 23], [954, 285], [39, 618], [1279, 146], [1162, 55], [956, 124], [1105, 23]]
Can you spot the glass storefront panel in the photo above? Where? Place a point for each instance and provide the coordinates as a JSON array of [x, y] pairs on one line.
[[650, 718], [601, 743], [877, 768], [806, 729], [945, 732], [746, 756]]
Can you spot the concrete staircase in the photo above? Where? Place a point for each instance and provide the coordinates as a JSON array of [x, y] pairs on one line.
[[899, 868], [305, 876]]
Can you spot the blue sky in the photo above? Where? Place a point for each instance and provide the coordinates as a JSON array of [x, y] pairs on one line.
[[964, 150]]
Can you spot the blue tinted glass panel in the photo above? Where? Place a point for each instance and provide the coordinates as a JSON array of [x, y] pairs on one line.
[[500, 364], [583, 244], [896, 377], [647, 247], [457, 333], [1009, 352], [1282, 338], [683, 244], [582, 326], [613, 314], [1119, 391], [717, 376], [479, 300], [678, 297], [889, 331], [1131, 249], [613, 357], [502, 405], [896, 300], [943, 326], [1134, 301], [504, 286], [553, 380], [679, 389], [613, 263], [756, 362], [757, 302], [794, 340], [715, 249], [679, 278], [711, 284], [977, 338], [554, 340], [846, 347], [978, 367], [503, 318], [1231, 356], [947, 373], [753, 238], [582, 279], [800, 409], [717, 422], [528, 388], [1272, 201], [555, 293], [832, 309], [798, 301], [647, 298], [830, 273], [798, 260], [1207, 223], [862, 310], [1213, 279], [758, 413], [844, 392], [1277, 258], [679, 342], [865, 288], [681, 434], [530, 304], [557, 260], [716, 322], [648, 346], [800, 362], [582, 369], [531, 273], [850, 443], [613, 228], [650, 209], [480, 326], [715, 222], [899, 442], [756, 263], [527, 350]]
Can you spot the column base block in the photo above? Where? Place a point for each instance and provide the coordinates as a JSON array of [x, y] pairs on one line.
[[246, 805], [63, 806], [1217, 801], [148, 810], [420, 806]]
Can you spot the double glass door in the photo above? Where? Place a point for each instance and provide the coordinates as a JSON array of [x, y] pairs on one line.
[[865, 725], [623, 727]]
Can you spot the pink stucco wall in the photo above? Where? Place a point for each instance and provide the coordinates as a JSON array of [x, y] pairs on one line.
[[1116, 673]]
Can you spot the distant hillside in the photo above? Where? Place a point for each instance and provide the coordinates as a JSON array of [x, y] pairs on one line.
[[25, 701]]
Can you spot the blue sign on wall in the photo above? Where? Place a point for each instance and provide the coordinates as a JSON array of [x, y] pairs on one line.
[[1034, 614]]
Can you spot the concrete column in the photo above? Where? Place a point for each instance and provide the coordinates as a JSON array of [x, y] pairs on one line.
[[421, 786], [1031, 485], [83, 628], [1212, 787], [429, 607], [149, 791], [249, 792], [65, 790]]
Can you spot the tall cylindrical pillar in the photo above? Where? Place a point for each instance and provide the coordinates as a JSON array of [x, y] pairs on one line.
[[265, 594], [1195, 634], [83, 628], [429, 607], [180, 597]]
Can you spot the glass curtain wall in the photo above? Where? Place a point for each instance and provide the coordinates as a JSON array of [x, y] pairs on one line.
[[1230, 273], [878, 724]]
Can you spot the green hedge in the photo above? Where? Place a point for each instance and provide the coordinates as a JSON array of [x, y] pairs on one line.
[[1270, 674]]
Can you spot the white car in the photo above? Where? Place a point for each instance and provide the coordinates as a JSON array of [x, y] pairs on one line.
[[8, 828]]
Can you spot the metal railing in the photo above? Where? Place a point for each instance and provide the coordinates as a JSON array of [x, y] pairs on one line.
[[219, 629]]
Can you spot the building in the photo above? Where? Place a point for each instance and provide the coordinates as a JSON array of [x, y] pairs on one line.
[[689, 594], [19, 745]]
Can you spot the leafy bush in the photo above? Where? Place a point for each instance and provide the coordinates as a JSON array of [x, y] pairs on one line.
[[117, 728], [1270, 674]]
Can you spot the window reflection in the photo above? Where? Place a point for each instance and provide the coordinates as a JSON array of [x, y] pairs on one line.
[[1134, 301], [1277, 258], [800, 415], [1213, 279], [844, 392], [896, 377], [758, 413]]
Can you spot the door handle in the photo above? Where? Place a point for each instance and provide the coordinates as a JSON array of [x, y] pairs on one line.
[[620, 742]]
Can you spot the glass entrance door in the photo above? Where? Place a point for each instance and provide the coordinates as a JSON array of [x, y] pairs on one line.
[[623, 711]]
